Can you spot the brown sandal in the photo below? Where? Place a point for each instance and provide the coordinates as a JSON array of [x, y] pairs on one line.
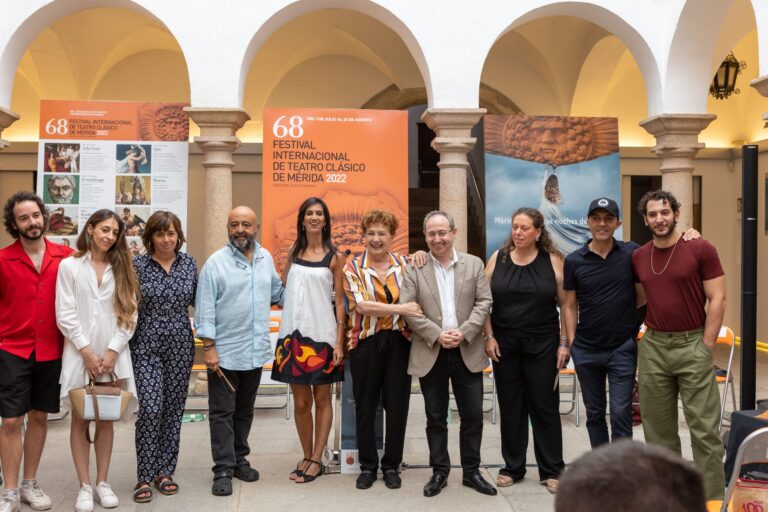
[[166, 485], [142, 493]]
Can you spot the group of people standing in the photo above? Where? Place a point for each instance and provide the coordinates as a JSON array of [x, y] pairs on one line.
[[97, 314]]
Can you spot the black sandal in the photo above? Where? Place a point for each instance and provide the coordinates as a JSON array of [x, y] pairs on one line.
[[296, 473], [163, 482], [309, 478], [142, 493]]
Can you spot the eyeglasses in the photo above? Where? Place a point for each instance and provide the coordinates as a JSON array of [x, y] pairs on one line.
[[437, 234], [388, 294]]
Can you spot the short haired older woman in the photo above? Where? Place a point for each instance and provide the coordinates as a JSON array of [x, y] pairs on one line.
[[162, 349], [378, 346]]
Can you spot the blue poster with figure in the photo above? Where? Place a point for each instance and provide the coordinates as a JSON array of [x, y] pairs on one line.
[[557, 165]]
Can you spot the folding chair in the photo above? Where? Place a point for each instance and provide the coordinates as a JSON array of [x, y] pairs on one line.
[[726, 337], [570, 372], [753, 450]]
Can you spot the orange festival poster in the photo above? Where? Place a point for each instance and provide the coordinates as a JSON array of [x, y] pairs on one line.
[[354, 160]]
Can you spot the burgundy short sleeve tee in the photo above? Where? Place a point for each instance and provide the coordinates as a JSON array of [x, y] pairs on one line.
[[674, 284]]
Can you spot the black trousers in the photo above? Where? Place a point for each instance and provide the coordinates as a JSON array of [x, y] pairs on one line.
[[230, 416], [379, 367], [468, 391], [525, 375]]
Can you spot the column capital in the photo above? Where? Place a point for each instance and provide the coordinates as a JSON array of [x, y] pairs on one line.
[[7, 118], [761, 84], [218, 122], [452, 122], [677, 134]]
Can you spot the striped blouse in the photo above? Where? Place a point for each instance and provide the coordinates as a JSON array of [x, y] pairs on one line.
[[362, 284]]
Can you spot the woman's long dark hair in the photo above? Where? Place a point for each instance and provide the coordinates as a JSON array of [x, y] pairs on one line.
[[544, 242], [126, 297], [301, 236]]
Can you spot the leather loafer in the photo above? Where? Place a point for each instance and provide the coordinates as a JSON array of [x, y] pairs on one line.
[[392, 479], [435, 485], [478, 483], [366, 479]]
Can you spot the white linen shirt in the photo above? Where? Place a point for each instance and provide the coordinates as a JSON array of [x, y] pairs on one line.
[[446, 289]]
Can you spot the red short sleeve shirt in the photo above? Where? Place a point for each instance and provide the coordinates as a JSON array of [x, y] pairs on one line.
[[28, 302], [673, 283]]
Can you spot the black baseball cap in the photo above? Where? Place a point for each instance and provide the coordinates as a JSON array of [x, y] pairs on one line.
[[604, 203]]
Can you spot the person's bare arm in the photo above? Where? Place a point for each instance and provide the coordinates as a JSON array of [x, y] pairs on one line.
[[491, 344], [564, 349], [640, 294], [337, 267], [571, 314], [714, 290]]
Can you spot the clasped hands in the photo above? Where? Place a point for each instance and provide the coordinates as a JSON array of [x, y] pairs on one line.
[[450, 338], [96, 365]]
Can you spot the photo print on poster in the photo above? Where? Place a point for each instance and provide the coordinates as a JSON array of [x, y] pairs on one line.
[[134, 158], [61, 189], [135, 218], [62, 220], [133, 190], [61, 157]]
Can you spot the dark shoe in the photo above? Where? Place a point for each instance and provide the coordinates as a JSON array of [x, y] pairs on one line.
[[307, 477], [222, 483], [392, 479], [435, 484], [478, 483], [244, 472], [366, 479]]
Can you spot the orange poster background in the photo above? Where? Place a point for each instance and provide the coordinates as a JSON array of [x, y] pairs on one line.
[[113, 120], [375, 139]]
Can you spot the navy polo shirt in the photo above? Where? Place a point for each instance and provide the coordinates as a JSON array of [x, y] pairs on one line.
[[605, 291]]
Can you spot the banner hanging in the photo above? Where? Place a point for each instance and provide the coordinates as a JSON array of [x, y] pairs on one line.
[[129, 157]]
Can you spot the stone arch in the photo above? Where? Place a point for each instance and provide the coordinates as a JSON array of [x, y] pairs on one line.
[[393, 98], [610, 21], [302, 7], [21, 36]]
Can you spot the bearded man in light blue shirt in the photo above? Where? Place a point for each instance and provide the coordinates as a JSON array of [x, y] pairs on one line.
[[237, 286]]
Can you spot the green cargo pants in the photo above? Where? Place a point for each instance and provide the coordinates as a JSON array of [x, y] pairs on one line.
[[679, 362]]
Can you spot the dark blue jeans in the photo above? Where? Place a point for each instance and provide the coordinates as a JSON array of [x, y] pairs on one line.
[[592, 368]]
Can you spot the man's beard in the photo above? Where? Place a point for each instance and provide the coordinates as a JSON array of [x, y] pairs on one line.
[[243, 244], [24, 234], [670, 230], [62, 199]]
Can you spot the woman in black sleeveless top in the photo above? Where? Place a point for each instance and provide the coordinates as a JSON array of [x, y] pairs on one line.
[[523, 338]]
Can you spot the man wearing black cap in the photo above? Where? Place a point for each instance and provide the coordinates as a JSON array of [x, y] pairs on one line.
[[601, 321]]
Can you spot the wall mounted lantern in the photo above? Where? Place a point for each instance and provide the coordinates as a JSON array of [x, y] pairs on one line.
[[724, 82]]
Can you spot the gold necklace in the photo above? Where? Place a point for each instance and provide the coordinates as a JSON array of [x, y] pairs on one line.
[[670, 258]]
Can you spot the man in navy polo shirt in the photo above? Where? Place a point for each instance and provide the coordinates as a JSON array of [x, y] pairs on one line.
[[601, 321]]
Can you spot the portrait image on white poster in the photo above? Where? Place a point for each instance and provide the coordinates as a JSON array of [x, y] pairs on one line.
[[134, 158], [61, 188], [63, 220], [135, 246], [135, 218], [133, 190], [61, 157]]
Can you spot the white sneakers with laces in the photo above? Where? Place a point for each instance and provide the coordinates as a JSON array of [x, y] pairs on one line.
[[105, 495], [9, 502], [32, 494], [84, 502]]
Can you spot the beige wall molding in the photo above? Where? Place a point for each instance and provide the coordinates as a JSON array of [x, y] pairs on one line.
[[217, 141], [677, 142], [453, 141]]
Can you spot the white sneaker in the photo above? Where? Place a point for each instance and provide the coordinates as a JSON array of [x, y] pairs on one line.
[[84, 502], [106, 496], [32, 494], [9, 502]]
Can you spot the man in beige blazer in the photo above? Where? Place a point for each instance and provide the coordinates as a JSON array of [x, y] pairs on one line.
[[447, 345]]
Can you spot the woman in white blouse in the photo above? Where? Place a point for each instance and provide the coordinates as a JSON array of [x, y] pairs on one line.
[[96, 307]]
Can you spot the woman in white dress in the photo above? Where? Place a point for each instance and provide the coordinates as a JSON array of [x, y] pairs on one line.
[[96, 308], [310, 345]]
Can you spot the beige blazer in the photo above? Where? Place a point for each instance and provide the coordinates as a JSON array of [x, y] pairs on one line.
[[473, 303]]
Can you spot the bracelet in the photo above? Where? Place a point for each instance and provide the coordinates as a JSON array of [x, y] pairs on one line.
[[340, 322], [563, 337], [487, 337], [565, 346]]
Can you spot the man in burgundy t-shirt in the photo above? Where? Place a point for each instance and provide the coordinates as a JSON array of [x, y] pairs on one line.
[[684, 285]]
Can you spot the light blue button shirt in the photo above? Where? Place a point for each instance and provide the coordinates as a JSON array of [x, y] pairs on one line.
[[232, 306]]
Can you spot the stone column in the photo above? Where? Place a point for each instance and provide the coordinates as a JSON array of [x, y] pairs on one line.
[[452, 127], [7, 118], [677, 142], [217, 140]]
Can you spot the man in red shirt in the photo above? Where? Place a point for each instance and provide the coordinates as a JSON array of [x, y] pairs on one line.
[[684, 285], [30, 347]]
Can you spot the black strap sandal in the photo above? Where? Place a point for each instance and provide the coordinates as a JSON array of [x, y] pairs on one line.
[[310, 478], [142, 493], [296, 473]]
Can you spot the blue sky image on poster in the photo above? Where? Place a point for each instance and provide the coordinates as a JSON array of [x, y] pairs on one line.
[[556, 164]]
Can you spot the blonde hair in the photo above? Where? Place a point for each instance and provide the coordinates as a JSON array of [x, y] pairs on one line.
[[384, 217]]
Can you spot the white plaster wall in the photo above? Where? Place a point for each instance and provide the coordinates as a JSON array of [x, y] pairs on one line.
[[673, 41]]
